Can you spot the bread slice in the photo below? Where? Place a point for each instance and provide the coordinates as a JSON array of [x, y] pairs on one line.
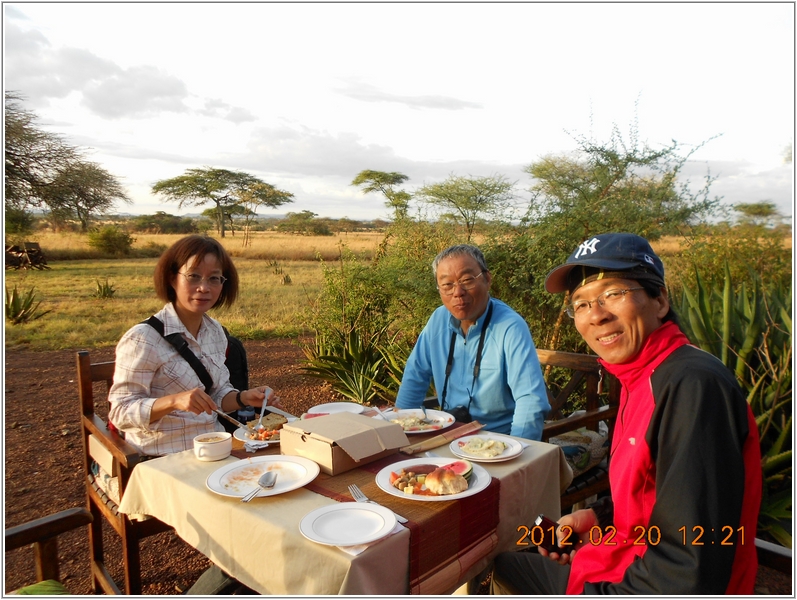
[[270, 421], [444, 481]]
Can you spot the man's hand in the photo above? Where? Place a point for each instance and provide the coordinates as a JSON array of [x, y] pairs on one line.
[[580, 523]]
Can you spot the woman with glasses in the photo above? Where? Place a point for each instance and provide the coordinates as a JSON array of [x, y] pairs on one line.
[[157, 398]]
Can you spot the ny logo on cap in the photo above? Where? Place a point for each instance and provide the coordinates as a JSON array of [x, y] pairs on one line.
[[588, 246]]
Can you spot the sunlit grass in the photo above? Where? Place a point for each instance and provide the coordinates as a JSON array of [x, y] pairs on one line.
[[264, 245], [264, 308]]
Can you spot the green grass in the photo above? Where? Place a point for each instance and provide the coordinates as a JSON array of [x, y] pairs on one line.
[[265, 308]]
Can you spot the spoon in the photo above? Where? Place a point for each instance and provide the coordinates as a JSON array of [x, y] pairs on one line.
[[266, 482]]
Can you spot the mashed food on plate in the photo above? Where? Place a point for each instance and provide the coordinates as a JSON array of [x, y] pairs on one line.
[[488, 448]]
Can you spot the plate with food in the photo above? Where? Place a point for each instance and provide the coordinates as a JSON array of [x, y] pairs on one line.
[[348, 524], [486, 447], [412, 420], [238, 478], [433, 479], [336, 407], [273, 424]]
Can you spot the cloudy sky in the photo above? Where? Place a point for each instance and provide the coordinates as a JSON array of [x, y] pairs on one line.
[[306, 95]]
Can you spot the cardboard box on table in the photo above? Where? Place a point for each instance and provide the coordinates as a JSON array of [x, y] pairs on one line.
[[342, 441]]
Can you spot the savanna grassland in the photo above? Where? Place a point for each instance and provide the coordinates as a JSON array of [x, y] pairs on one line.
[[281, 276]]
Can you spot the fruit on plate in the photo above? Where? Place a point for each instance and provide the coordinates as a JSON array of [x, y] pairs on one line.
[[461, 467], [448, 479]]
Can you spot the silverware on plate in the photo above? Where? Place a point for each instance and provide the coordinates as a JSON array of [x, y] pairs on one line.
[[266, 482], [358, 495]]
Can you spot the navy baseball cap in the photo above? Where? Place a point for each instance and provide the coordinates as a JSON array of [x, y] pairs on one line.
[[610, 252]]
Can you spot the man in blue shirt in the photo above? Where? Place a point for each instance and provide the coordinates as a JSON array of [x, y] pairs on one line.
[[493, 368]]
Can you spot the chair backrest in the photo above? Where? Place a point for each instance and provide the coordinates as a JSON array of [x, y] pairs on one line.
[[87, 375], [599, 391]]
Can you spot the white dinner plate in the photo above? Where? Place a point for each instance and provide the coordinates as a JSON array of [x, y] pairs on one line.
[[440, 419], [336, 407], [238, 478], [479, 480], [513, 447], [347, 524]]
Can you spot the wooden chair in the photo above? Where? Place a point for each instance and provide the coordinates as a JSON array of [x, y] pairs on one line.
[[774, 556], [584, 383], [43, 534], [98, 439]]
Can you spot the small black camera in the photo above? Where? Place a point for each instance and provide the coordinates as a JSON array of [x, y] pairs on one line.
[[461, 414]]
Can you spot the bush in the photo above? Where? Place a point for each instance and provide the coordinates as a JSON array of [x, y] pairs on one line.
[[111, 240]]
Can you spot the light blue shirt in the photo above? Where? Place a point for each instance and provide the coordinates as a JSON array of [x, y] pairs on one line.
[[509, 395]]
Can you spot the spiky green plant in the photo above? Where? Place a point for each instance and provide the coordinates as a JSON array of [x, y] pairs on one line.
[[751, 332], [22, 308], [350, 364], [104, 290]]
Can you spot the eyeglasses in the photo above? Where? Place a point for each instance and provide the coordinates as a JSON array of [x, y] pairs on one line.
[[195, 279], [608, 299], [467, 283]]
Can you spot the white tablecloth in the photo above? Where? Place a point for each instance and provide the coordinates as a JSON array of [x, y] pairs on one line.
[[259, 543]]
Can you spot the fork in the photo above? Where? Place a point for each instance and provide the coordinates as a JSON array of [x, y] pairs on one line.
[[358, 495]]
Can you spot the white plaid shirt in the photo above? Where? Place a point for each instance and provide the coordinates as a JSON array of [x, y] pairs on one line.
[[148, 367]]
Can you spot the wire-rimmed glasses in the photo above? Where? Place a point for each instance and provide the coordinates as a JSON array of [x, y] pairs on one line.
[[466, 283], [195, 279], [608, 299]]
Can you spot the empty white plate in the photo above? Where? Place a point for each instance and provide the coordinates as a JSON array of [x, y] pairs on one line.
[[347, 524], [336, 407]]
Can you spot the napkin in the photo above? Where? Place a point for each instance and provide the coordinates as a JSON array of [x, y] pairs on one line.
[[254, 446], [443, 438], [360, 548]]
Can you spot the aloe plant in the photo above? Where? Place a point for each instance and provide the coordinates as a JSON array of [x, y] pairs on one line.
[[22, 308], [350, 364], [104, 290], [751, 332]]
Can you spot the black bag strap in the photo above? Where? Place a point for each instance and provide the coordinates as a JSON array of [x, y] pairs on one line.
[[477, 366], [181, 345]]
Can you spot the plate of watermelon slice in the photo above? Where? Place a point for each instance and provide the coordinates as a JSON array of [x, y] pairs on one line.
[[477, 477]]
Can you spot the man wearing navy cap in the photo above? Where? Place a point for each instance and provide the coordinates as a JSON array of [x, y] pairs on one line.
[[685, 467]]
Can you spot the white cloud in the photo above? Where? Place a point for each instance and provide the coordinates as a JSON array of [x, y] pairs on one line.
[[307, 95]]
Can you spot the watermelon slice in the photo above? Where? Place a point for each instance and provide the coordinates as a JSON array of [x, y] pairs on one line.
[[461, 467]]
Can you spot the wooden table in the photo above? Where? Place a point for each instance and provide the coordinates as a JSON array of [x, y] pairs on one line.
[[259, 543]]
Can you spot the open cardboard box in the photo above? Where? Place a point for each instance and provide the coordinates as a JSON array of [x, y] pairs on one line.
[[341, 441]]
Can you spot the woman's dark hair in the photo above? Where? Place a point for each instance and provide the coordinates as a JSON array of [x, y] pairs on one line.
[[653, 290], [197, 246]]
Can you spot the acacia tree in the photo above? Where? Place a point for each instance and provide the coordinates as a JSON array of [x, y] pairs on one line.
[[468, 198], [612, 186], [221, 186], [41, 169], [260, 194], [83, 189], [380, 181]]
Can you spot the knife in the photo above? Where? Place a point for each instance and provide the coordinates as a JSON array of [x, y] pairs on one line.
[[223, 414], [280, 412]]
